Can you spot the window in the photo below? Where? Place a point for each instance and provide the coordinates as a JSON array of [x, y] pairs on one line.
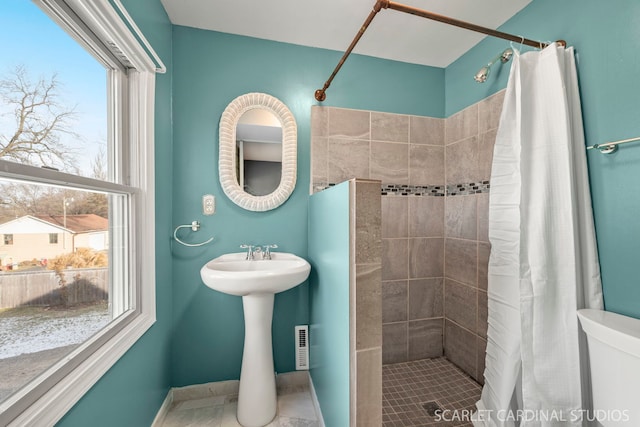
[[119, 183]]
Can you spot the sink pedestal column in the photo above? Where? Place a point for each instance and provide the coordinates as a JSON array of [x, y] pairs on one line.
[[257, 396]]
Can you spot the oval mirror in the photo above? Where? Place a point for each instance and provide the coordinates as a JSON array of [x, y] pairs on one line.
[[258, 152]]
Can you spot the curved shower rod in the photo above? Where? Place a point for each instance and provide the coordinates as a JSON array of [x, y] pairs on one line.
[[321, 95]]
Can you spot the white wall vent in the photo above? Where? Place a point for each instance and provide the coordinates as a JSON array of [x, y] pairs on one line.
[[302, 348]]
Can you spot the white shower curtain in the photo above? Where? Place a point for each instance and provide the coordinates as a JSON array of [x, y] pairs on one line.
[[544, 263]]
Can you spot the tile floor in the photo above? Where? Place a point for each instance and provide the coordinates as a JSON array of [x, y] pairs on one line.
[[410, 392], [215, 405], [410, 389]]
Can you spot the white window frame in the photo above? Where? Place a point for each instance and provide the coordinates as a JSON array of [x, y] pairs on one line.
[[95, 24]]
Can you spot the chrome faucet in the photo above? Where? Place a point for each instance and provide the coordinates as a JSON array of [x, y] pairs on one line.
[[250, 251], [266, 254], [262, 252]]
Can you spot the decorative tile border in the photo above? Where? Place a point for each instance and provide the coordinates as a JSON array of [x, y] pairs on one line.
[[468, 188], [412, 190], [424, 190]]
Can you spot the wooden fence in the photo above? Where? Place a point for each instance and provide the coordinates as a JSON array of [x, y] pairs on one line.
[[84, 285]]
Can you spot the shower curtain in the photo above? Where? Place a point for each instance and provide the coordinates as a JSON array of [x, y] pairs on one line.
[[544, 262]]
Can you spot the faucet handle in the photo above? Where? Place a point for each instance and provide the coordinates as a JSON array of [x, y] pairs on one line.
[[267, 251], [249, 249]]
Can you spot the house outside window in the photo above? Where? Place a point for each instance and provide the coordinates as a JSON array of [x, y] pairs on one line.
[[120, 191]]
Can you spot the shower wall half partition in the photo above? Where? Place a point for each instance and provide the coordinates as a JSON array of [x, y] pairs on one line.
[[435, 197], [346, 329]]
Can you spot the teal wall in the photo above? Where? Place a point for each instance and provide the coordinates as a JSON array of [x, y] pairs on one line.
[[210, 70], [198, 335], [329, 287], [131, 393], [607, 42]]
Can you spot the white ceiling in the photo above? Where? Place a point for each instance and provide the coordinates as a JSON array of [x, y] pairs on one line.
[[332, 24]]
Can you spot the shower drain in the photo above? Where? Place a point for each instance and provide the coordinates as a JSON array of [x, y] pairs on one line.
[[431, 408]]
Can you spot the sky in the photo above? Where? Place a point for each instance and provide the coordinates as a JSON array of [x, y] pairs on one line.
[[29, 38]]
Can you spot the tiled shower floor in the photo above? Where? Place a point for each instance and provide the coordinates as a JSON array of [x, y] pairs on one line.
[[407, 387]]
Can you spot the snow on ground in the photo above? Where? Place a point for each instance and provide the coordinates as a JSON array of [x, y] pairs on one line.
[[36, 332]]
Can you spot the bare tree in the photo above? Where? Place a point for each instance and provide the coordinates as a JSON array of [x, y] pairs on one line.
[[30, 199], [90, 202], [40, 121], [99, 165], [18, 199], [36, 136], [26, 199]]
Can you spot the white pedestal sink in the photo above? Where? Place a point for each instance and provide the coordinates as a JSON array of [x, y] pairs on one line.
[[256, 281]]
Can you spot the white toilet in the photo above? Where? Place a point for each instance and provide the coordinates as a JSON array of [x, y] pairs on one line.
[[614, 358]]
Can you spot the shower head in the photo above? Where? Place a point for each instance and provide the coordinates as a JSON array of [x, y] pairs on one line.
[[482, 74]]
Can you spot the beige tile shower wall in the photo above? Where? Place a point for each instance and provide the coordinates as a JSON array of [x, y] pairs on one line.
[[392, 148], [366, 314], [469, 139], [402, 150]]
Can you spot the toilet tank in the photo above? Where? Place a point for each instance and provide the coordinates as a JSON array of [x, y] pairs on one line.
[[614, 358]]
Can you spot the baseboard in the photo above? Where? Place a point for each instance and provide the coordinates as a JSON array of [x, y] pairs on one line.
[[164, 410], [200, 391], [316, 403]]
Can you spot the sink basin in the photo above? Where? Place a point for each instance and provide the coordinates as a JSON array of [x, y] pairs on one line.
[[233, 274], [257, 282]]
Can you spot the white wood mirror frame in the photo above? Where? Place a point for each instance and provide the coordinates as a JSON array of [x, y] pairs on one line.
[[227, 157]]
